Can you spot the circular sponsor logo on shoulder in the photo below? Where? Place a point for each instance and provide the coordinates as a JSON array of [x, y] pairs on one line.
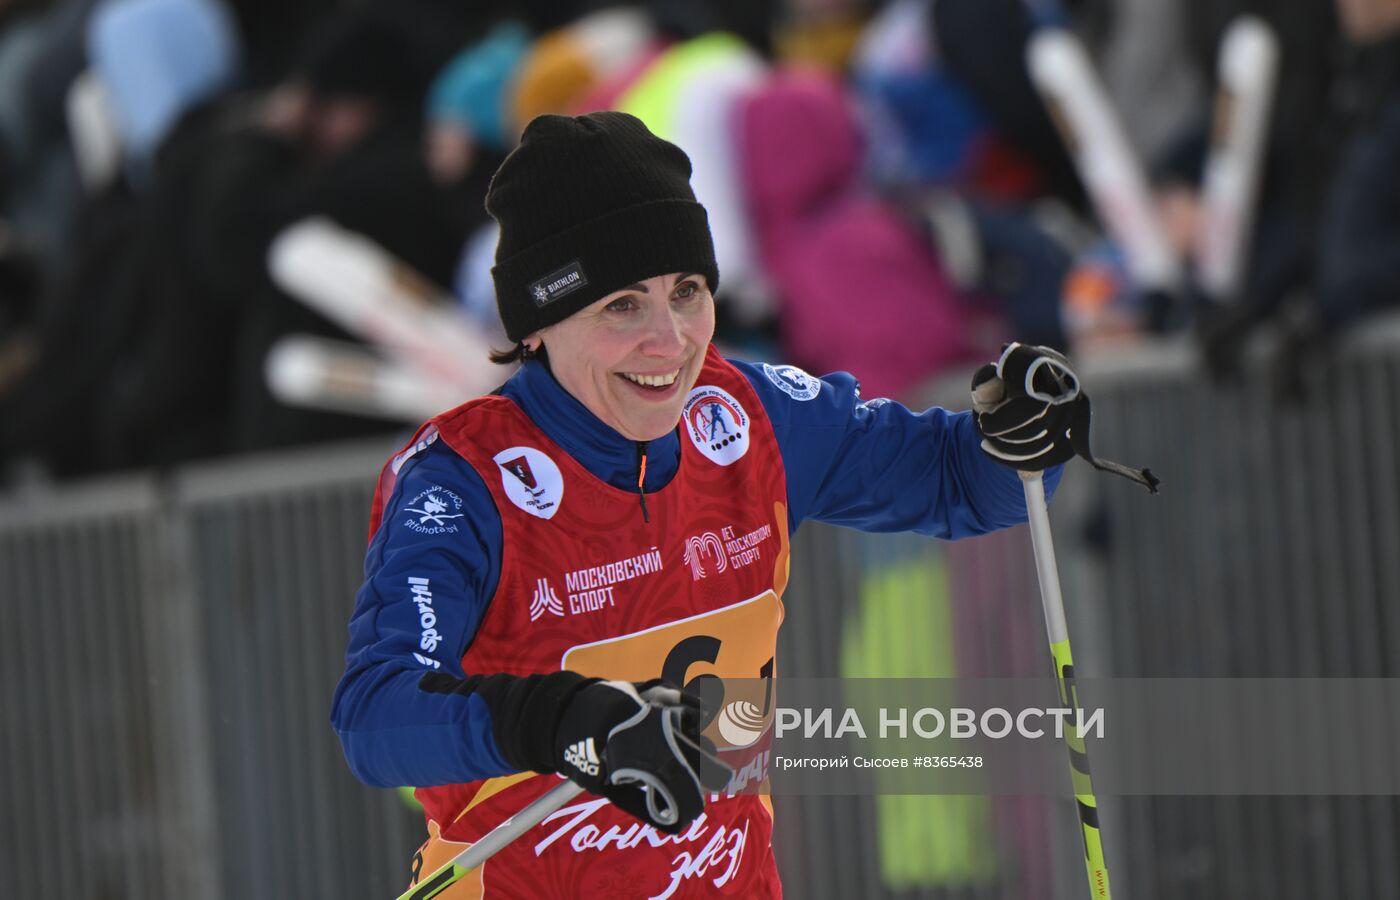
[[717, 424], [794, 382], [531, 480]]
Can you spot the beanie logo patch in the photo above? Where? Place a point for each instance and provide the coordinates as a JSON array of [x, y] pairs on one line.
[[559, 283]]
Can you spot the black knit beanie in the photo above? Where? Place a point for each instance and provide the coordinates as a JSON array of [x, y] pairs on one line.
[[588, 205]]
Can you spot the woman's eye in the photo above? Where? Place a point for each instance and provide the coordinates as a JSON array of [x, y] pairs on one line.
[[621, 304], [686, 291]]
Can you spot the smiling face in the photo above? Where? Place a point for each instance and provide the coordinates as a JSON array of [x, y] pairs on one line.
[[633, 356]]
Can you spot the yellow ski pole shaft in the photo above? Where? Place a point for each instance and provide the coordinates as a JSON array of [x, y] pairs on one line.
[[1054, 605]]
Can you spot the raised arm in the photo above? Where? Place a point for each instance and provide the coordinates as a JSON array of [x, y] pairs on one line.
[[878, 466]]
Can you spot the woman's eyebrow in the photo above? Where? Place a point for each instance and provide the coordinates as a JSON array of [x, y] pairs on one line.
[[641, 288]]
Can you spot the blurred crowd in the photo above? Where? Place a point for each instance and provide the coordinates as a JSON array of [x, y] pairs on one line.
[[888, 192]]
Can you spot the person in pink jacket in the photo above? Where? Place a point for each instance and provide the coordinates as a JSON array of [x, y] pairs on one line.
[[854, 280]]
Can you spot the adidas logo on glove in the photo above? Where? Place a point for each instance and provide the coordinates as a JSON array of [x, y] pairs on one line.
[[583, 757]]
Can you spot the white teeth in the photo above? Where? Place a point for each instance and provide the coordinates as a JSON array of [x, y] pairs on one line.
[[653, 380]]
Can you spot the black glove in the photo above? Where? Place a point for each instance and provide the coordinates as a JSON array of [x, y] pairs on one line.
[[638, 745], [1032, 414], [1021, 404]]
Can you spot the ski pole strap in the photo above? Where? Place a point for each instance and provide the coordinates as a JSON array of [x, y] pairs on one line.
[[1079, 440]]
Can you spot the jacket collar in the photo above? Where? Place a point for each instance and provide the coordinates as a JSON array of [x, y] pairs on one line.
[[601, 450]]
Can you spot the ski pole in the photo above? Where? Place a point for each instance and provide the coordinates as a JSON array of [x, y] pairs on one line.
[[542, 808], [496, 840], [1053, 603]]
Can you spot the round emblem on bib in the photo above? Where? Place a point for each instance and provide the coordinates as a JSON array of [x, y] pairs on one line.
[[531, 480], [794, 382], [717, 424]]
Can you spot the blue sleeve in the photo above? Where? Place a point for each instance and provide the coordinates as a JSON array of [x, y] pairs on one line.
[[878, 466], [430, 571]]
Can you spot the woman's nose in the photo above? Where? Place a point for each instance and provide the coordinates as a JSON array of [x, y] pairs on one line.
[[663, 336]]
